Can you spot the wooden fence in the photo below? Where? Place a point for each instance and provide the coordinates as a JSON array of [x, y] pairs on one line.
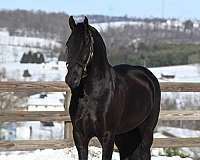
[[25, 145]]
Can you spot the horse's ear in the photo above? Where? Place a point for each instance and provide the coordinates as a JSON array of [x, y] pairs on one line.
[[72, 23], [86, 22]]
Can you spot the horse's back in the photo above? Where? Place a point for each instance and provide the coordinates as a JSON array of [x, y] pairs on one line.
[[135, 73], [139, 89]]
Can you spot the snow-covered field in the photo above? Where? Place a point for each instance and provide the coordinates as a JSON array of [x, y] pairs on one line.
[[182, 73], [52, 71], [68, 154], [57, 71]]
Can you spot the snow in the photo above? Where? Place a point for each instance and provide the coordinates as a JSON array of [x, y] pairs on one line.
[[39, 132], [183, 73], [6, 39], [52, 71], [57, 71], [179, 132], [69, 154], [182, 133], [170, 24], [54, 101]]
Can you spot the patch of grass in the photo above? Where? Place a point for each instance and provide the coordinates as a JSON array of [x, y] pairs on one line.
[[170, 152]]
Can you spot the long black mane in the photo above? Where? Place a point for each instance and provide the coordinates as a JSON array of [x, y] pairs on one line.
[[100, 53]]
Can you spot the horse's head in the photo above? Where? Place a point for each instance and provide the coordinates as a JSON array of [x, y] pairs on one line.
[[79, 52]]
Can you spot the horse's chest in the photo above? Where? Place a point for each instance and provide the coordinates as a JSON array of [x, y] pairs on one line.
[[85, 116], [91, 113]]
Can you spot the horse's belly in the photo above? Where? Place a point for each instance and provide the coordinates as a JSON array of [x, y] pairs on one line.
[[136, 110], [130, 123]]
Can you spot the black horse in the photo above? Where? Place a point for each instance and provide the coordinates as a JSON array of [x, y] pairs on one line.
[[118, 104]]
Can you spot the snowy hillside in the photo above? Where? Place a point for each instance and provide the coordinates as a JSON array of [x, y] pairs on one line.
[[169, 24], [13, 47], [104, 26]]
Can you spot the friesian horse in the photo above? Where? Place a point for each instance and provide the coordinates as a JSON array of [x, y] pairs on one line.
[[119, 104]]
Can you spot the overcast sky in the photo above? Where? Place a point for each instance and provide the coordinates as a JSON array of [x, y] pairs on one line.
[[135, 8]]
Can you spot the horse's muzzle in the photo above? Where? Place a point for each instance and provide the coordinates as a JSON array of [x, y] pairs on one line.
[[73, 82]]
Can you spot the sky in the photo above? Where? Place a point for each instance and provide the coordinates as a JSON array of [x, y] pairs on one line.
[[183, 9]]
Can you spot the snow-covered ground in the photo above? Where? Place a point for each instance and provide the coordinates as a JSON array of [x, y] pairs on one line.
[[52, 71], [68, 154], [37, 131], [50, 102], [182, 73], [179, 132], [57, 71]]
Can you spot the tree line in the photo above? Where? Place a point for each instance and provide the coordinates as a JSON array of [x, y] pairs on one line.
[[35, 23], [153, 46]]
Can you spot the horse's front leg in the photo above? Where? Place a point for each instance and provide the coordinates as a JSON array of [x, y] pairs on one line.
[[107, 142], [81, 143]]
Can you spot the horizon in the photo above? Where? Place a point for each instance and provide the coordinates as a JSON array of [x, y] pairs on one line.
[[45, 11], [179, 9]]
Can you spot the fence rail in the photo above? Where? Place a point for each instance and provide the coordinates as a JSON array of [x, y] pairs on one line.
[[17, 86], [62, 116], [48, 116], [27, 145]]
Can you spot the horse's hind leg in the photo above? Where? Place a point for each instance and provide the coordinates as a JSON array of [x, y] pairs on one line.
[[142, 152], [146, 131], [127, 143]]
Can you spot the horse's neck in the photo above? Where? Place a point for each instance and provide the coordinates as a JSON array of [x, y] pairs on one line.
[[99, 70], [100, 65]]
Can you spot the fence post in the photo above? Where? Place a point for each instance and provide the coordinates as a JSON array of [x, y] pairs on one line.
[[67, 126]]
